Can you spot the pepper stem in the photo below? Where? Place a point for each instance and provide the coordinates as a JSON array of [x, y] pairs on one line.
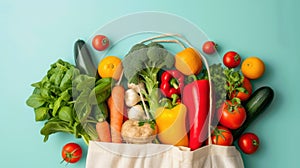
[[165, 102], [174, 97], [174, 83], [192, 78]]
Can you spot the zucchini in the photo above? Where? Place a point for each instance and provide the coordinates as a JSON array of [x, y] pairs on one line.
[[254, 106], [83, 59]]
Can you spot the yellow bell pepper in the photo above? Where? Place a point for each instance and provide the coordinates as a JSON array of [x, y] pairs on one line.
[[171, 125]]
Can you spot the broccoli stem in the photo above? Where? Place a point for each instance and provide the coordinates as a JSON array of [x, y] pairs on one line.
[[150, 78]]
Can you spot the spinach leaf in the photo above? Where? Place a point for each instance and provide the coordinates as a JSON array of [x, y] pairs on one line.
[[56, 106], [66, 95], [44, 93], [41, 113], [65, 114], [37, 84], [55, 125], [35, 101], [66, 81]]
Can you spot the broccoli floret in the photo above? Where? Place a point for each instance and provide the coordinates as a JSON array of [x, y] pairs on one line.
[[134, 62], [132, 65], [156, 54], [137, 47], [159, 57], [169, 61]]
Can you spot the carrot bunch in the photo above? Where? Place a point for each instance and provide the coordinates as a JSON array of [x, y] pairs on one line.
[[111, 132]]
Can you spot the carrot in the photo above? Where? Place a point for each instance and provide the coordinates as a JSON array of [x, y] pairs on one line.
[[116, 106], [103, 131]]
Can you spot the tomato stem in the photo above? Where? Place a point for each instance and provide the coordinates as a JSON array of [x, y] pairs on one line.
[[254, 142]]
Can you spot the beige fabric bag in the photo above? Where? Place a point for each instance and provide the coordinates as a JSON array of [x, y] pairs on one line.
[[161, 156]]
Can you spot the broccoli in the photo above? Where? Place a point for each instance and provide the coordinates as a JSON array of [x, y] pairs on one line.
[[142, 64]]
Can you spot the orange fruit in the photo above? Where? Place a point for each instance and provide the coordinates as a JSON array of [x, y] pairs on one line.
[[188, 61], [110, 66], [253, 67]]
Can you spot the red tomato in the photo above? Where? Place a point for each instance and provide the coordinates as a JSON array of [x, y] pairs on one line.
[[71, 152], [222, 136], [243, 96], [233, 114], [231, 59], [209, 47], [100, 42], [249, 143]]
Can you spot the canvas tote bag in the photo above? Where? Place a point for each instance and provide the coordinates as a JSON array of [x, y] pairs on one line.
[[112, 155]]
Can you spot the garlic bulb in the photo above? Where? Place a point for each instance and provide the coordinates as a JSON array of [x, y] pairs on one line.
[[131, 97], [136, 112], [140, 86]]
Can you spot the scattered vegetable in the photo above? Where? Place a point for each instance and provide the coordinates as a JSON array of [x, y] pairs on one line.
[[116, 107], [188, 61], [253, 67], [218, 80], [110, 67], [139, 132], [69, 102], [131, 97], [237, 85], [222, 136], [209, 47], [136, 87], [103, 131], [196, 99], [171, 125], [83, 59], [231, 59], [249, 143], [136, 112], [71, 152], [244, 91], [100, 42], [233, 114], [255, 105], [172, 82], [51, 100]]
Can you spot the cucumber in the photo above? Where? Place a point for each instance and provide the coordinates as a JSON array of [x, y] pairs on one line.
[[254, 106], [83, 59]]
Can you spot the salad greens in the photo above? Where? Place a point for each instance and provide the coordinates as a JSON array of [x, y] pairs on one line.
[[69, 102]]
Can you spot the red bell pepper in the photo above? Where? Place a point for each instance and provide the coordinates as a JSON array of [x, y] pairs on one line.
[[196, 98], [172, 81]]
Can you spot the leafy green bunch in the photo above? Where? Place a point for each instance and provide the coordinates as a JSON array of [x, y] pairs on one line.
[[69, 101], [219, 82]]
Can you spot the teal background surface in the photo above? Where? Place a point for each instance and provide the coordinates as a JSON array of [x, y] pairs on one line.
[[35, 34]]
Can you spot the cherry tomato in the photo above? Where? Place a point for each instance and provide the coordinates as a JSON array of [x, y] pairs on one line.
[[249, 143], [100, 42], [209, 47], [71, 152], [222, 136], [233, 114], [243, 95], [231, 59]]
